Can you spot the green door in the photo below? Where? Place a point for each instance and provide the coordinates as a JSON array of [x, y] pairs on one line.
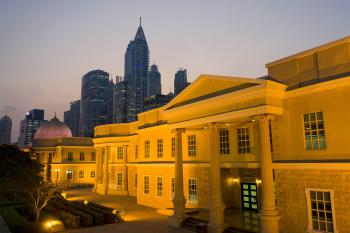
[[249, 196]]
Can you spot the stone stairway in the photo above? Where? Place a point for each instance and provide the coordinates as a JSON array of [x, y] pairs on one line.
[[235, 230], [194, 224]]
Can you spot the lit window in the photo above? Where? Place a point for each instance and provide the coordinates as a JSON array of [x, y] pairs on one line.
[[224, 142], [135, 181], [173, 144], [243, 140], [172, 187], [159, 186], [192, 191], [314, 131], [136, 151], [147, 147], [120, 152], [70, 156], [119, 180], [191, 145], [320, 210], [93, 156], [81, 174], [92, 174], [146, 185], [160, 148], [82, 156], [69, 174]]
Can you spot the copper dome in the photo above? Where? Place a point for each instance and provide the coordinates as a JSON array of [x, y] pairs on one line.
[[53, 129]]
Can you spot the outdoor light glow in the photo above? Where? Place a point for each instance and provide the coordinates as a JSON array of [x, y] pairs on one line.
[[86, 202], [64, 195], [51, 223], [258, 181], [235, 180]]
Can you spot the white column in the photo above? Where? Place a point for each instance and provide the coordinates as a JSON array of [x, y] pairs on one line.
[[97, 169], [216, 207], [179, 197], [105, 169], [125, 171], [269, 217]]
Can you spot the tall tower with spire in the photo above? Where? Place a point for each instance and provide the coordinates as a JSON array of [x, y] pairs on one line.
[[135, 78]]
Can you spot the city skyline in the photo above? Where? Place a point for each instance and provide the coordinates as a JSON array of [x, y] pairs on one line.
[[41, 52]]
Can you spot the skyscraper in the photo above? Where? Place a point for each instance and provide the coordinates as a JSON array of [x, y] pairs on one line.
[[180, 81], [72, 118], [136, 71], [5, 130], [153, 81], [29, 125], [96, 101], [120, 101]]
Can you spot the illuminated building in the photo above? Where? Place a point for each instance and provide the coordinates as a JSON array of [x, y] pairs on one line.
[[28, 127], [5, 130], [67, 160], [277, 145]]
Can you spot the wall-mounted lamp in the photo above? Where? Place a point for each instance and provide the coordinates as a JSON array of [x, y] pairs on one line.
[[257, 181], [235, 180]]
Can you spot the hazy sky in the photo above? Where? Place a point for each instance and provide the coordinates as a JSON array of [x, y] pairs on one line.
[[47, 46]]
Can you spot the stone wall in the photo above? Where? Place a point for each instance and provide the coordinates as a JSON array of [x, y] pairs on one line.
[[292, 202]]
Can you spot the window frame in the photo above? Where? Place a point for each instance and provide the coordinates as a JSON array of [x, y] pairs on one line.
[[192, 145], [317, 131], [173, 146], [119, 185], [309, 209], [94, 174], [81, 156], [160, 148], [70, 156], [93, 156], [144, 185], [120, 153], [224, 142], [81, 174], [147, 149], [246, 149], [189, 191], [172, 187], [69, 173], [159, 185], [135, 181]]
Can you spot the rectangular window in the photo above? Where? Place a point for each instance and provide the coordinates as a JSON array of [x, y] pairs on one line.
[[192, 191], [159, 186], [314, 131], [70, 156], [119, 180], [120, 152], [146, 185], [135, 181], [69, 174], [147, 148], [81, 174], [243, 140], [224, 142], [173, 149], [136, 151], [320, 210], [93, 156], [160, 148], [191, 145], [92, 174], [82, 156], [172, 187]]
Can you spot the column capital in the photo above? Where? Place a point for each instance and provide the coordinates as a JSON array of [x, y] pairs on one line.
[[263, 118], [178, 130]]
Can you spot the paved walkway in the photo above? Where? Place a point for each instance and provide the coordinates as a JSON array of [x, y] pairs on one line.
[[138, 219]]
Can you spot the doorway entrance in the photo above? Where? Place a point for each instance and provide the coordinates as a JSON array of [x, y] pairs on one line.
[[249, 196]]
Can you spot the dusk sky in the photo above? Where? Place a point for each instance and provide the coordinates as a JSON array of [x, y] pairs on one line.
[[47, 46]]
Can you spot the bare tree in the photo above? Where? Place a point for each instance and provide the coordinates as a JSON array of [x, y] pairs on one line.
[[39, 196]]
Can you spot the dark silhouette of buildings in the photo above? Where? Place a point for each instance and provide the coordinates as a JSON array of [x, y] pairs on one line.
[[29, 125], [153, 81], [5, 130], [96, 101], [180, 81], [157, 100], [72, 118], [120, 103]]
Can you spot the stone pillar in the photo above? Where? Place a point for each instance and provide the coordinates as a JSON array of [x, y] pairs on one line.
[[179, 197], [269, 217], [98, 171], [216, 207], [107, 151], [125, 171]]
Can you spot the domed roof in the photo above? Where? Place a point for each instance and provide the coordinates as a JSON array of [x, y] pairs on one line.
[[53, 129]]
